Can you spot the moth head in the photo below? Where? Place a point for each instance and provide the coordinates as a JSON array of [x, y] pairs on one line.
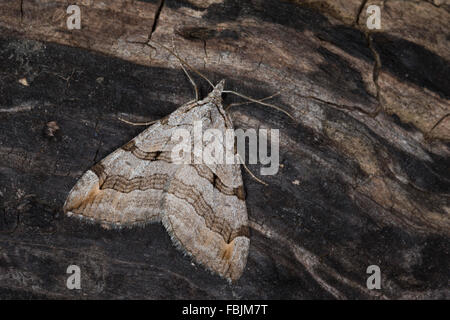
[[217, 91]]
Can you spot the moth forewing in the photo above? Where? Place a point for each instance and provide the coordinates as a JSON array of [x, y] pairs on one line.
[[201, 205]]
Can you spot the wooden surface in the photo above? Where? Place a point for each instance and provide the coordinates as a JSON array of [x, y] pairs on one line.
[[364, 177]]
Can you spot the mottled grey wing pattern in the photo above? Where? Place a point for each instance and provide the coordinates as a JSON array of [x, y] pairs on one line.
[[202, 206], [126, 187]]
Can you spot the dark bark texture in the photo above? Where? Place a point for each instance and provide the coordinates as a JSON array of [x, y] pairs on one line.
[[364, 173]]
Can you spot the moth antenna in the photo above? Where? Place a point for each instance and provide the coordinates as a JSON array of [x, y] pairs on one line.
[[251, 173], [187, 74], [138, 123], [260, 102], [184, 62], [192, 81]]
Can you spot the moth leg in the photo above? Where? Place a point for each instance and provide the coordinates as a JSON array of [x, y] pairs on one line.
[[248, 102], [138, 123], [251, 173], [259, 102]]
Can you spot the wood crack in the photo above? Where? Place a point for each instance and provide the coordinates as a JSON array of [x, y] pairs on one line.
[[156, 18], [360, 9], [375, 71], [21, 10]]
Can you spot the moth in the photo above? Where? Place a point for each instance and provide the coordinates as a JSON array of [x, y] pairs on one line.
[[202, 206]]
